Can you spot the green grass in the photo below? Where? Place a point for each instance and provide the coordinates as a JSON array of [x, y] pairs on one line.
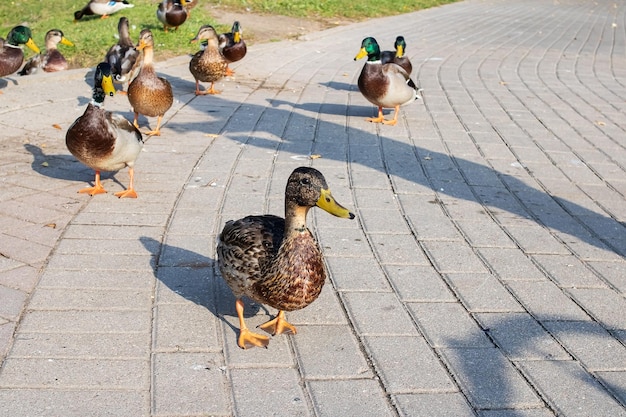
[[93, 36]]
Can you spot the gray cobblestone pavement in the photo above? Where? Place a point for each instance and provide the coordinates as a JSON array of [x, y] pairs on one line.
[[484, 275]]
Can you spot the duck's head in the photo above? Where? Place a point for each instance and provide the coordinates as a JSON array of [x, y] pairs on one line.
[[236, 31], [103, 83], [205, 32], [55, 36], [400, 45], [146, 40], [369, 48], [307, 188], [21, 35]]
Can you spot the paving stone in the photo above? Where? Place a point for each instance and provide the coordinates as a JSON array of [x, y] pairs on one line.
[[534, 296], [489, 380], [418, 283], [602, 303], [398, 249], [510, 264], [408, 365], [358, 397], [378, 314], [189, 384], [450, 257], [433, 404], [482, 292], [569, 389]]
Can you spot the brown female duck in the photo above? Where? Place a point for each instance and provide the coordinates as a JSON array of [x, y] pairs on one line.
[[148, 93], [172, 13], [232, 45], [102, 140], [277, 261], [208, 65], [52, 60], [11, 54]]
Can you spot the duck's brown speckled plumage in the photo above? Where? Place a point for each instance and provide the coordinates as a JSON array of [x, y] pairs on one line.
[[148, 93], [102, 140], [208, 65], [52, 60], [277, 261]]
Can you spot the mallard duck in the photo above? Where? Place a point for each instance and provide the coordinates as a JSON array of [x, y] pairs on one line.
[[172, 13], [384, 85], [209, 64], [123, 56], [232, 45], [52, 60], [102, 140], [397, 56], [148, 93], [103, 8], [277, 261], [11, 54]]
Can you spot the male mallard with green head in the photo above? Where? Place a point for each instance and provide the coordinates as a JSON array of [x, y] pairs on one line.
[[384, 85], [148, 93], [398, 56], [208, 65], [277, 261], [102, 140], [11, 54]]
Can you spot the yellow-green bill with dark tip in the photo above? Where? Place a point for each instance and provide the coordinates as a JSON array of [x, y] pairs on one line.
[[327, 203]]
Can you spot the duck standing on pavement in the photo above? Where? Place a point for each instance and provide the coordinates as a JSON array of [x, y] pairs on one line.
[[398, 56], [384, 85], [207, 65], [123, 56], [173, 13], [232, 45], [148, 93], [275, 260], [102, 140]]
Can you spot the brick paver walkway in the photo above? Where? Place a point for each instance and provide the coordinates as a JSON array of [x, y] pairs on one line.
[[484, 274]]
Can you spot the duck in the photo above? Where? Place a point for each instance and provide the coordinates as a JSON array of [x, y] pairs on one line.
[[11, 53], [123, 57], [102, 8], [207, 65], [173, 13], [384, 85], [102, 140], [276, 261], [148, 93], [52, 60], [398, 56], [232, 45]]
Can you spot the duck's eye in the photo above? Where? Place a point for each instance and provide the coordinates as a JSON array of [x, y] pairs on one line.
[[305, 181]]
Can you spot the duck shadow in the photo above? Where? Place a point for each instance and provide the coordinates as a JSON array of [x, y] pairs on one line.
[[195, 277], [330, 108], [64, 167]]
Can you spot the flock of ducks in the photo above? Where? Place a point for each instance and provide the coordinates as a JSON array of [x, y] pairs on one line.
[[269, 259]]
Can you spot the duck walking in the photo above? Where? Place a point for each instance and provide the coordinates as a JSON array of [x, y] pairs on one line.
[[102, 8], [102, 140], [53, 60], [277, 261], [11, 53], [207, 65], [232, 45], [384, 85], [148, 93]]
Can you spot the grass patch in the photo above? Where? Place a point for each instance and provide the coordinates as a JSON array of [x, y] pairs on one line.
[[93, 36]]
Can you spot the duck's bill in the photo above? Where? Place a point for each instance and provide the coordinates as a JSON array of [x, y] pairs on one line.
[[107, 85], [327, 203], [361, 54], [31, 44], [66, 42]]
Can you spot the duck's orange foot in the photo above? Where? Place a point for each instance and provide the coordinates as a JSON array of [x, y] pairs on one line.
[[248, 340], [391, 122], [126, 194], [278, 325], [376, 120], [229, 72], [155, 132], [97, 189]]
